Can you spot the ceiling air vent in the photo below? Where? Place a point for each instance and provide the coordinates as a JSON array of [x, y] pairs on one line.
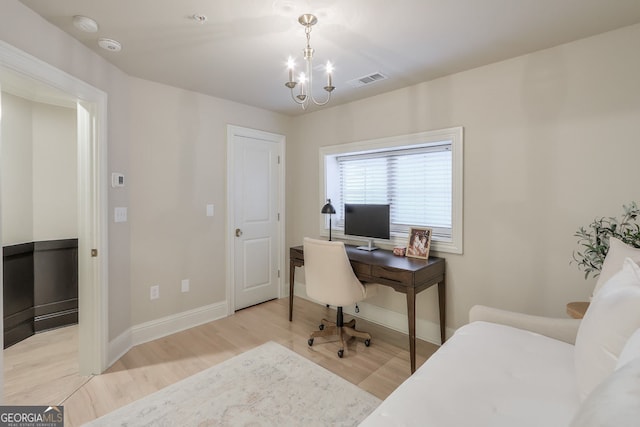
[[367, 80]]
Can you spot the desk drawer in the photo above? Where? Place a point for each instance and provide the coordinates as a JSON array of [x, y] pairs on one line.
[[400, 276], [361, 269]]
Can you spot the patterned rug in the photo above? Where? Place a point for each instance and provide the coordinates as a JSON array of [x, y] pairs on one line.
[[267, 386]]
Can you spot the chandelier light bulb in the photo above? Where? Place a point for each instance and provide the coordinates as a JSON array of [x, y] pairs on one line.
[[290, 65], [329, 77]]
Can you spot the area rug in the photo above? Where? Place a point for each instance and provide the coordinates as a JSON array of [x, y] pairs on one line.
[[267, 386]]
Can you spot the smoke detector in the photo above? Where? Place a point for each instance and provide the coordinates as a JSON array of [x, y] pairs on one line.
[[85, 24], [110, 44], [199, 18]]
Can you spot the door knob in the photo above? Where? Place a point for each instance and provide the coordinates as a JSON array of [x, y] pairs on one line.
[[238, 232]]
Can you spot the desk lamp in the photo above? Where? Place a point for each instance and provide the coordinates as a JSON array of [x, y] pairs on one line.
[[330, 210]]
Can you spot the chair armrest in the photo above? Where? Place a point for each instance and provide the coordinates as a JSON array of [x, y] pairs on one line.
[[557, 328]]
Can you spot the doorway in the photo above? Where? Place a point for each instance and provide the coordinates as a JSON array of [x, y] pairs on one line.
[[30, 77], [255, 203]]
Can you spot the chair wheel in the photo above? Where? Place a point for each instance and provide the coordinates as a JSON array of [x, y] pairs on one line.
[[367, 342], [340, 353], [310, 342], [321, 327]]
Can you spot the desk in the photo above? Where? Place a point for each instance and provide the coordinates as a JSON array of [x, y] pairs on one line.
[[406, 275]]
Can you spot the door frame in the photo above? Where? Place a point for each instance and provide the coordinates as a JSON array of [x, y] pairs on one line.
[[232, 132], [91, 105]]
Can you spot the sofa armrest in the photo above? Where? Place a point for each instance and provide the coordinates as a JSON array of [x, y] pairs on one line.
[[560, 329]]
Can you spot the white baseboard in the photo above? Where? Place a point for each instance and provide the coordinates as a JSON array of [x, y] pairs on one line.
[[425, 330], [159, 328], [119, 346]]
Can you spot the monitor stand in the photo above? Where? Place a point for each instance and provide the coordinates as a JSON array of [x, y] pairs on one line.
[[368, 248]]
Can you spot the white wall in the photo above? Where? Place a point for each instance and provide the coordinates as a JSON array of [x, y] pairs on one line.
[[17, 170], [55, 172], [178, 148], [39, 171], [551, 141]]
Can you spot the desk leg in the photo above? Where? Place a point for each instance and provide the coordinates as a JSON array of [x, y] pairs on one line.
[[292, 274], [411, 315], [441, 301]]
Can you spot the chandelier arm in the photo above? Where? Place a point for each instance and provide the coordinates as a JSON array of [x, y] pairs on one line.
[[310, 89]]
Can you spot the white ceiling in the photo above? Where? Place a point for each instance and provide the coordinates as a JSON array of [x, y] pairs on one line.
[[240, 52]]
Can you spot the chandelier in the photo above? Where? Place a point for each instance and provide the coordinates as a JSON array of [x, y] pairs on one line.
[[305, 80]]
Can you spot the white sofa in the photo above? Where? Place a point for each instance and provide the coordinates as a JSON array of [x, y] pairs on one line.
[[515, 370]]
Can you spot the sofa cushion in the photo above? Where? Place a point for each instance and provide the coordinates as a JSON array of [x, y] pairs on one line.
[[618, 252], [631, 350], [487, 374], [612, 317], [615, 402]]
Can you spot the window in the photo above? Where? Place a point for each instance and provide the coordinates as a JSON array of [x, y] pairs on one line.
[[419, 175]]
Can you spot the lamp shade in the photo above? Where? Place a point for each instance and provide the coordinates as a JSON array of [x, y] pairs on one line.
[[328, 208]]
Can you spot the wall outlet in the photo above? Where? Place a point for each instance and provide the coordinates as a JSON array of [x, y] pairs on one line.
[[185, 285], [210, 210], [154, 292]]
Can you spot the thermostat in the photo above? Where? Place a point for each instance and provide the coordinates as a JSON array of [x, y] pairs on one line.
[[117, 180]]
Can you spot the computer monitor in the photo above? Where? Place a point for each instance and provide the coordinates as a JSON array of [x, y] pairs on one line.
[[367, 221]]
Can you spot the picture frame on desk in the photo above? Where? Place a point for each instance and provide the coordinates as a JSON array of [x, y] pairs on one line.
[[419, 242]]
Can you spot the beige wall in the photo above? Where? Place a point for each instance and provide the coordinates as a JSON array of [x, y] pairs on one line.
[[170, 145], [25, 30], [39, 170], [551, 141], [178, 147]]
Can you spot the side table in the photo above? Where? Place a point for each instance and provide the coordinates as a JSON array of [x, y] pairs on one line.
[[577, 309]]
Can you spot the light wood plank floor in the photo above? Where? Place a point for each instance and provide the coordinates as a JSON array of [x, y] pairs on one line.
[[43, 370]]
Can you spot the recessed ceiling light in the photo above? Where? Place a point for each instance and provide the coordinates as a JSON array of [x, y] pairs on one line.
[[110, 44], [85, 24]]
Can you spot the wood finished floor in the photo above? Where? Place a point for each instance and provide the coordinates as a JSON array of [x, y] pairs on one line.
[[43, 370]]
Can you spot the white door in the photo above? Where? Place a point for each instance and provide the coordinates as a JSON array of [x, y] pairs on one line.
[[256, 232]]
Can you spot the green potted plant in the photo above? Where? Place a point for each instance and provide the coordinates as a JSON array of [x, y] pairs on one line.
[[593, 240]]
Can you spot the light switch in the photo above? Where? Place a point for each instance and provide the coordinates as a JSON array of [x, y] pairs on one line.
[[210, 210], [120, 215]]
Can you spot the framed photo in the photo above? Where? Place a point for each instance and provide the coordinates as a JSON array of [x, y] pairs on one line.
[[419, 242]]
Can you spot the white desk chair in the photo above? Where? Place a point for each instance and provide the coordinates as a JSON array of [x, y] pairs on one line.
[[331, 280]]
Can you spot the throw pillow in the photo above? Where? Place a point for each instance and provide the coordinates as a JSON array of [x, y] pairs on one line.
[[615, 402], [618, 252], [612, 317], [630, 351]]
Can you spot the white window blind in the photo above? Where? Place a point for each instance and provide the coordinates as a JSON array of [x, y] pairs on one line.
[[416, 182]]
